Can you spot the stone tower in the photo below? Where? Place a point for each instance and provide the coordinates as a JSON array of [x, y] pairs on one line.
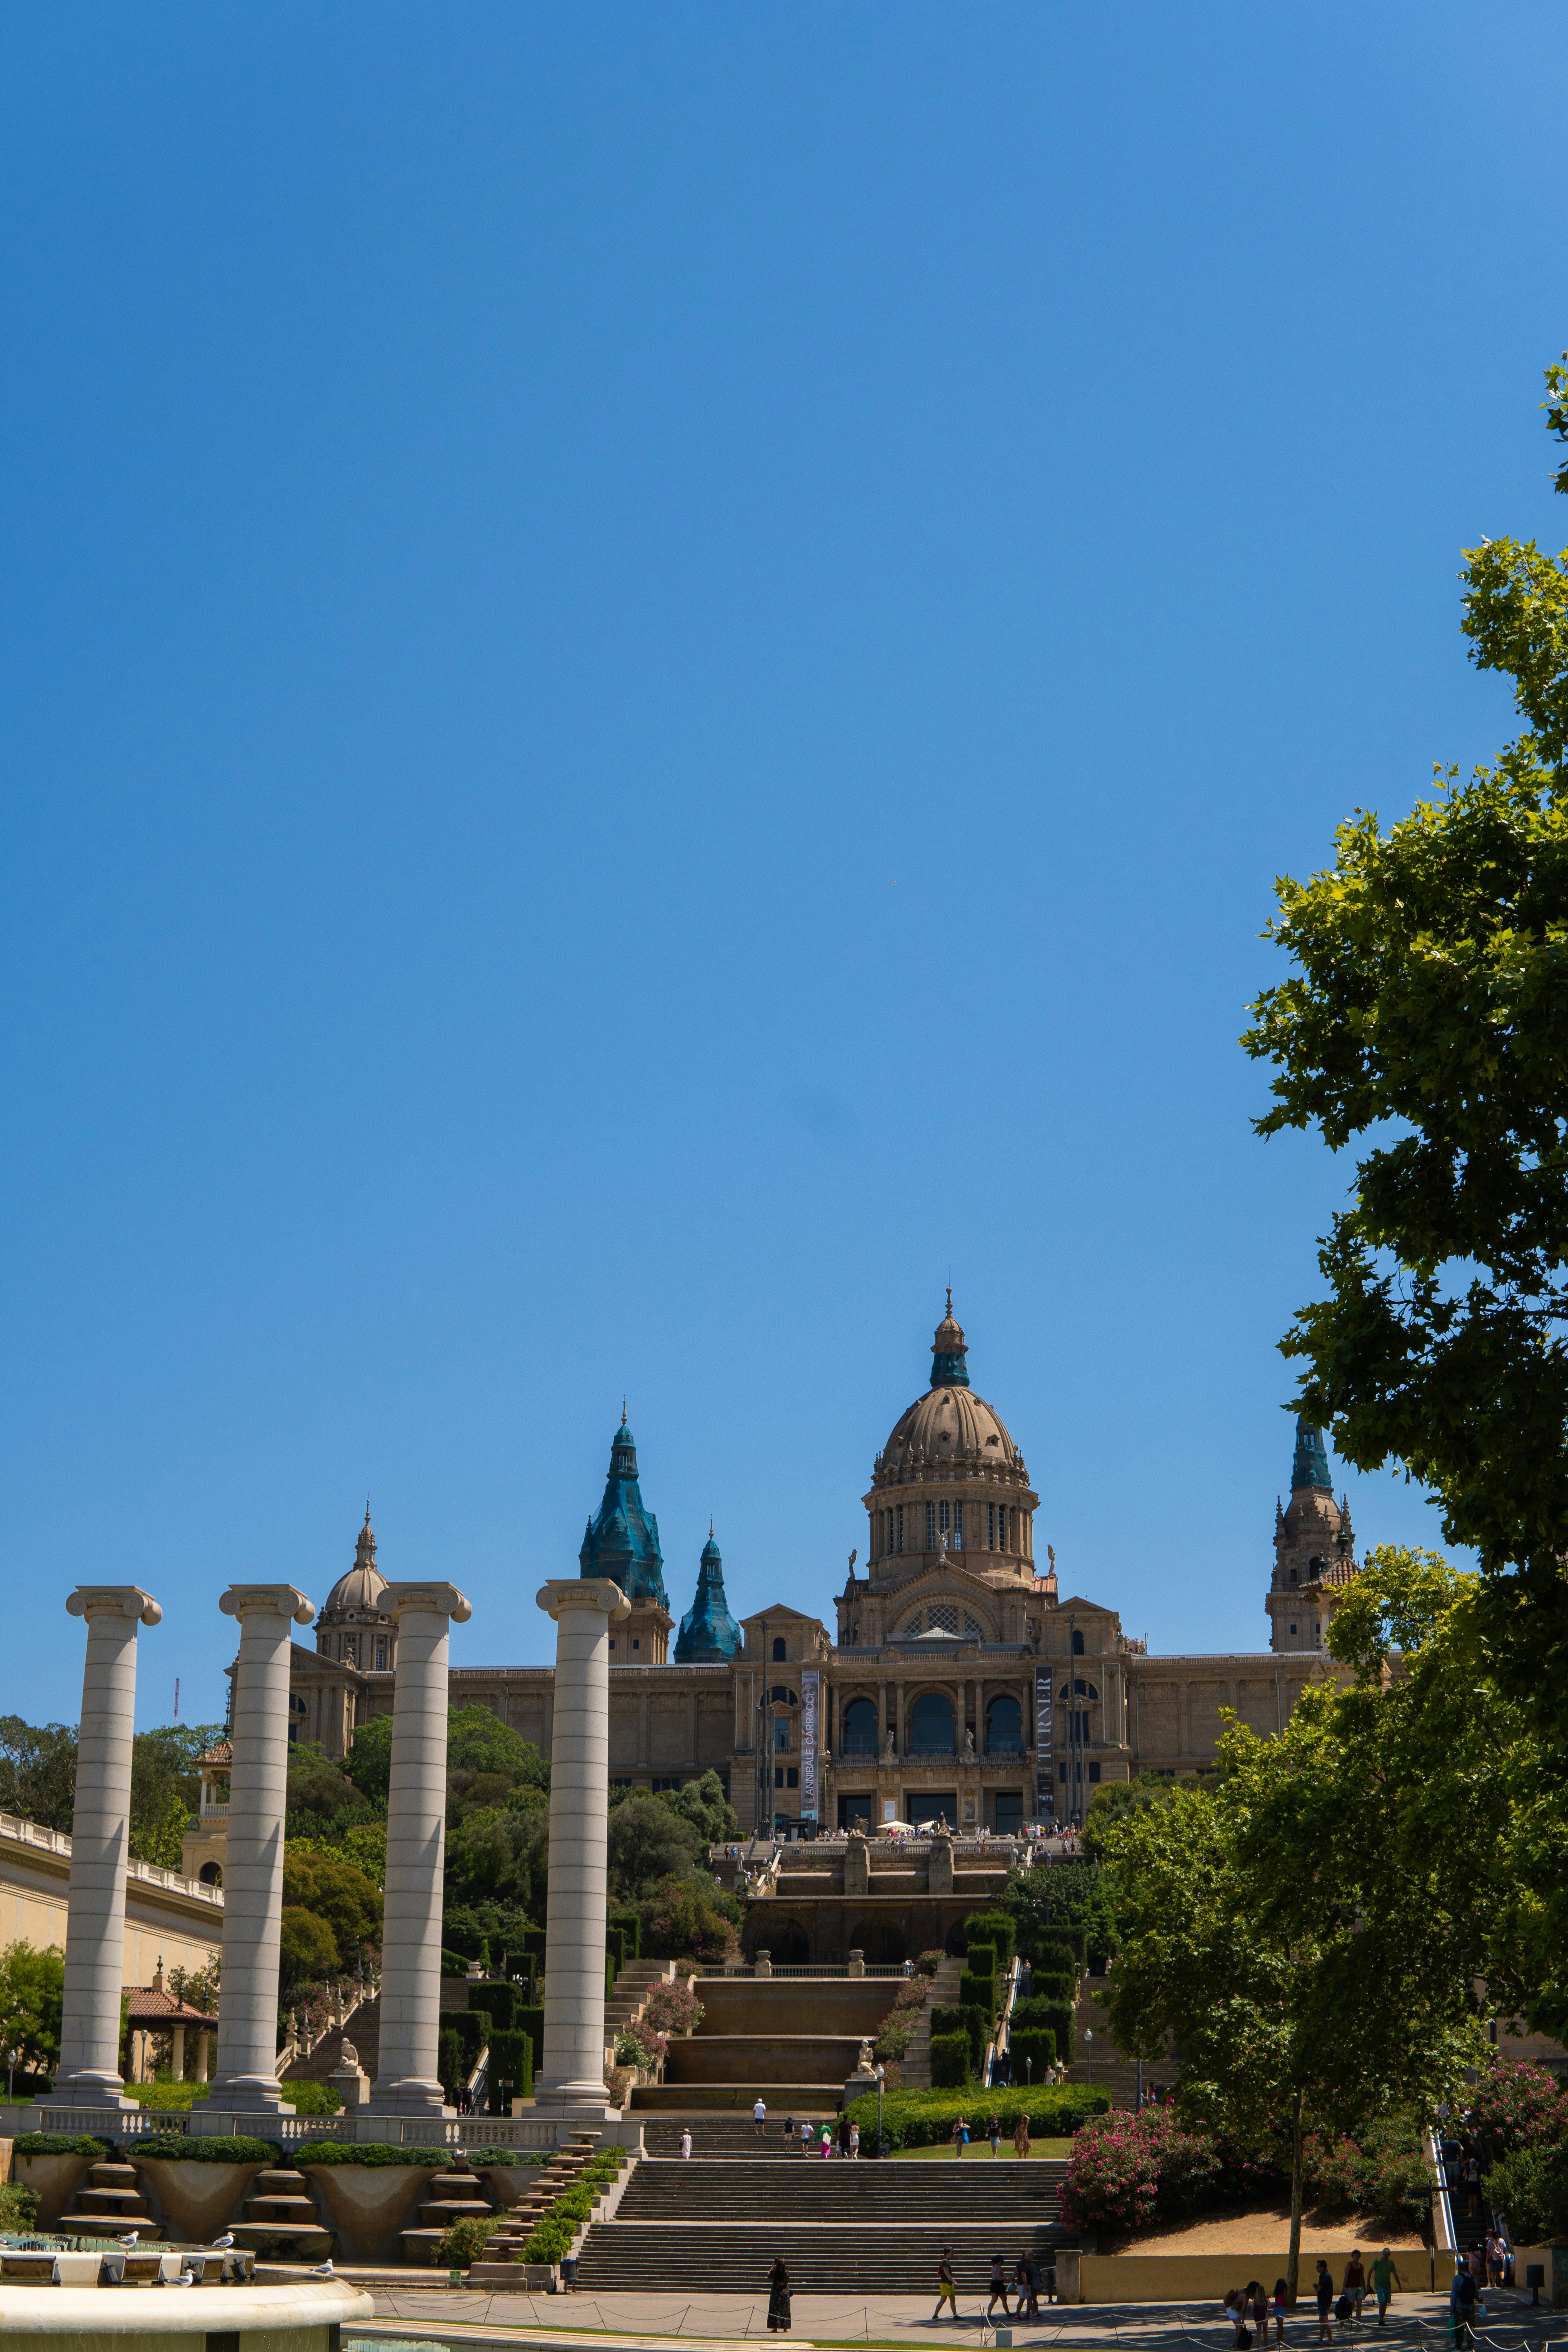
[[1314, 1550], [622, 1543], [708, 1634], [356, 1626]]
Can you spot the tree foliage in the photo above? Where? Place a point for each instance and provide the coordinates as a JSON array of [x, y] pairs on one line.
[[32, 1991], [37, 1772], [1426, 1026]]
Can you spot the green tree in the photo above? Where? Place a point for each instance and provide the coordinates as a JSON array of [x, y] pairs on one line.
[[1305, 1931], [165, 1787], [1426, 1026], [704, 1804], [500, 1856], [649, 1841], [324, 1802], [37, 1772], [32, 1991], [331, 1888], [308, 1949], [368, 1763], [477, 1741]]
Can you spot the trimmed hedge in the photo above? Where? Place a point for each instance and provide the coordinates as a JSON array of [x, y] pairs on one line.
[[502, 2003], [1040, 2008], [1035, 2045], [1070, 1943], [552, 2233], [951, 2066], [174, 2148], [1056, 2017], [510, 2060], [630, 1926], [995, 1927], [925, 2118], [530, 2022], [374, 2152], [980, 1958], [472, 2028], [973, 2023], [61, 2144], [450, 2071], [977, 1992], [1052, 1984]]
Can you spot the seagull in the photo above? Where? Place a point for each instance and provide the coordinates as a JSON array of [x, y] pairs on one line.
[[129, 2243], [187, 2278], [221, 2245], [322, 2270]]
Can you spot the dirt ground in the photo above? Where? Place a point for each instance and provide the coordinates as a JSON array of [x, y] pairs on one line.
[[1259, 2229]]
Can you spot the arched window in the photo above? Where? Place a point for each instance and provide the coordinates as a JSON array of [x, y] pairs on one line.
[[1076, 1642], [1080, 1689], [1004, 1728], [930, 1725], [778, 1648], [857, 1735]]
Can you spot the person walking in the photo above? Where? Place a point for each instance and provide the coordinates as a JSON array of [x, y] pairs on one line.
[[960, 2135], [946, 2291], [855, 2143], [789, 2135], [1281, 2304], [1354, 2284], [1324, 2286], [994, 2134], [759, 2117], [1384, 2278], [685, 2141], [1462, 2301], [1030, 2282], [998, 2288], [1258, 2305], [1021, 2136], [778, 2298], [1496, 2256]]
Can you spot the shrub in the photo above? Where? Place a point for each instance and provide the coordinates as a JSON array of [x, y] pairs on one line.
[[894, 2038], [510, 2060], [175, 2148], [980, 1959], [1056, 2017], [450, 2071], [1530, 2187], [1056, 1946], [466, 2240], [1386, 2180], [1052, 1984], [502, 2003], [994, 1927], [1520, 2106], [373, 2152], [1038, 2010], [19, 2206], [1032, 2052], [629, 1923], [929, 1962], [951, 2066], [1126, 2170], [41, 2143], [472, 2030], [925, 2118], [531, 2020], [306, 2095], [977, 1992], [673, 2008]]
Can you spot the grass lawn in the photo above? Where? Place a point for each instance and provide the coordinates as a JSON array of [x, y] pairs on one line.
[[979, 2152]]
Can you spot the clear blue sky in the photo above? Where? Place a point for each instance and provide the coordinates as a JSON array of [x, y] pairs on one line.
[[656, 663]]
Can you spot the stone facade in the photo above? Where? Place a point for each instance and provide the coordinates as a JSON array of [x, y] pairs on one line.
[[955, 1682]]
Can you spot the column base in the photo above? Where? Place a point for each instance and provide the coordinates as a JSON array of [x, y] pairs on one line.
[[92, 2091], [407, 2094], [244, 2095]]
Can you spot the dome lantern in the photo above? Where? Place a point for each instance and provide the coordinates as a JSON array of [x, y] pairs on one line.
[[949, 1369]]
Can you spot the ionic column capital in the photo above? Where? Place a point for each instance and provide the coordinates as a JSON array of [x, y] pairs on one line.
[[114, 1601], [261, 1599], [567, 1592], [444, 1599]]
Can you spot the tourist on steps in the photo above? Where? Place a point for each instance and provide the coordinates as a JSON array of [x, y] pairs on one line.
[[998, 2288], [759, 2117], [685, 2141], [1021, 2137], [778, 2297], [946, 2291]]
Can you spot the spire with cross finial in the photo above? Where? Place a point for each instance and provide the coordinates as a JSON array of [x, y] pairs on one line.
[[949, 1368]]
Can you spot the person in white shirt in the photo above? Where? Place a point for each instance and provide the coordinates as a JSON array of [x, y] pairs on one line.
[[759, 2115], [686, 2142]]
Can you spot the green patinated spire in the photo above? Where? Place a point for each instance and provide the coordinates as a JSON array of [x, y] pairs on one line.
[[949, 1368], [1311, 1466], [622, 1542]]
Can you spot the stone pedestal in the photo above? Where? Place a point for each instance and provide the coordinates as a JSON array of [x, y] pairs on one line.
[[89, 2074], [245, 2077], [572, 2079], [349, 2079], [856, 1865], [406, 2083], [939, 1869]]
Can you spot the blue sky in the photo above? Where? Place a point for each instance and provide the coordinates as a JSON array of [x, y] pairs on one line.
[[656, 663]]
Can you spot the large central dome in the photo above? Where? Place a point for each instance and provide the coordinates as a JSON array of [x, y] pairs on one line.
[[949, 1424]]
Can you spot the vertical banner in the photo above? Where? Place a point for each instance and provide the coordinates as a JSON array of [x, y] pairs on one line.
[[1045, 1750], [809, 1684]]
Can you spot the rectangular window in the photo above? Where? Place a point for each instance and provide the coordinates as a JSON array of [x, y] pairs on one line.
[[900, 1519], [1079, 1722], [1094, 1772], [778, 1776], [958, 1526], [990, 1526], [1063, 1770], [792, 1777], [380, 1657], [890, 1542], [930, 1527], [781, 1734], [941, 1519]]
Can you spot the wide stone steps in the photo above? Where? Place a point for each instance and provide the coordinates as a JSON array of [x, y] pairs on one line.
[[870, 2258], [715, 2226]]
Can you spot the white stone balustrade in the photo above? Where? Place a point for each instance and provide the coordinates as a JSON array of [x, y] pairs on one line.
[[89, 2074]]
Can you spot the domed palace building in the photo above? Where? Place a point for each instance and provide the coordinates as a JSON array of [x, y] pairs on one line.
[[956, 1682]]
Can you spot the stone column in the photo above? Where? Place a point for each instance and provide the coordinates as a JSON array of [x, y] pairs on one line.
[[89, 2074], [572, 2079], [406, 2083], [245, 2077], [177, 2061]]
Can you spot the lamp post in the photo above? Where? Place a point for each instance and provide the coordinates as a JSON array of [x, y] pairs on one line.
[[881, 2143], [1088, 2053]]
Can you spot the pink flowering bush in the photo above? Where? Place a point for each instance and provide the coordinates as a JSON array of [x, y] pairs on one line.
[[673, 2008], [1520, 2106], [1126, 2171]]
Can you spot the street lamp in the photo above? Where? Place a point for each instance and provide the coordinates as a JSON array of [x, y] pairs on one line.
[[881, 2143], [1088, 2053], [11, 2058]]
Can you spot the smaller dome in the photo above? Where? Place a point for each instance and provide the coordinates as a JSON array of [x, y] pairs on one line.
[[710, 1551], [363, 1585]]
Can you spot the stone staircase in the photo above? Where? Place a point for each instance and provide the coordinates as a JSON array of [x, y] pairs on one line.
[[914, 2067], [714, 2226], [109, 2204], [507, 2242], [455, 2196], [280, 2218]]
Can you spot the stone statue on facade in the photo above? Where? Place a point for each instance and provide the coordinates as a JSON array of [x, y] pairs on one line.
[[968, 1745], [888, 1746]]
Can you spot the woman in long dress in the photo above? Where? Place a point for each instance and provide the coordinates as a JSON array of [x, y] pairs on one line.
[[778, 2297]]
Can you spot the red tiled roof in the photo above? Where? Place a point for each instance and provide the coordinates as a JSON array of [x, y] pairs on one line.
[[146, 2005]]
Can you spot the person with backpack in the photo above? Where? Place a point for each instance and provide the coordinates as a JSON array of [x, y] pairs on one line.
[[1463, 2298]]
